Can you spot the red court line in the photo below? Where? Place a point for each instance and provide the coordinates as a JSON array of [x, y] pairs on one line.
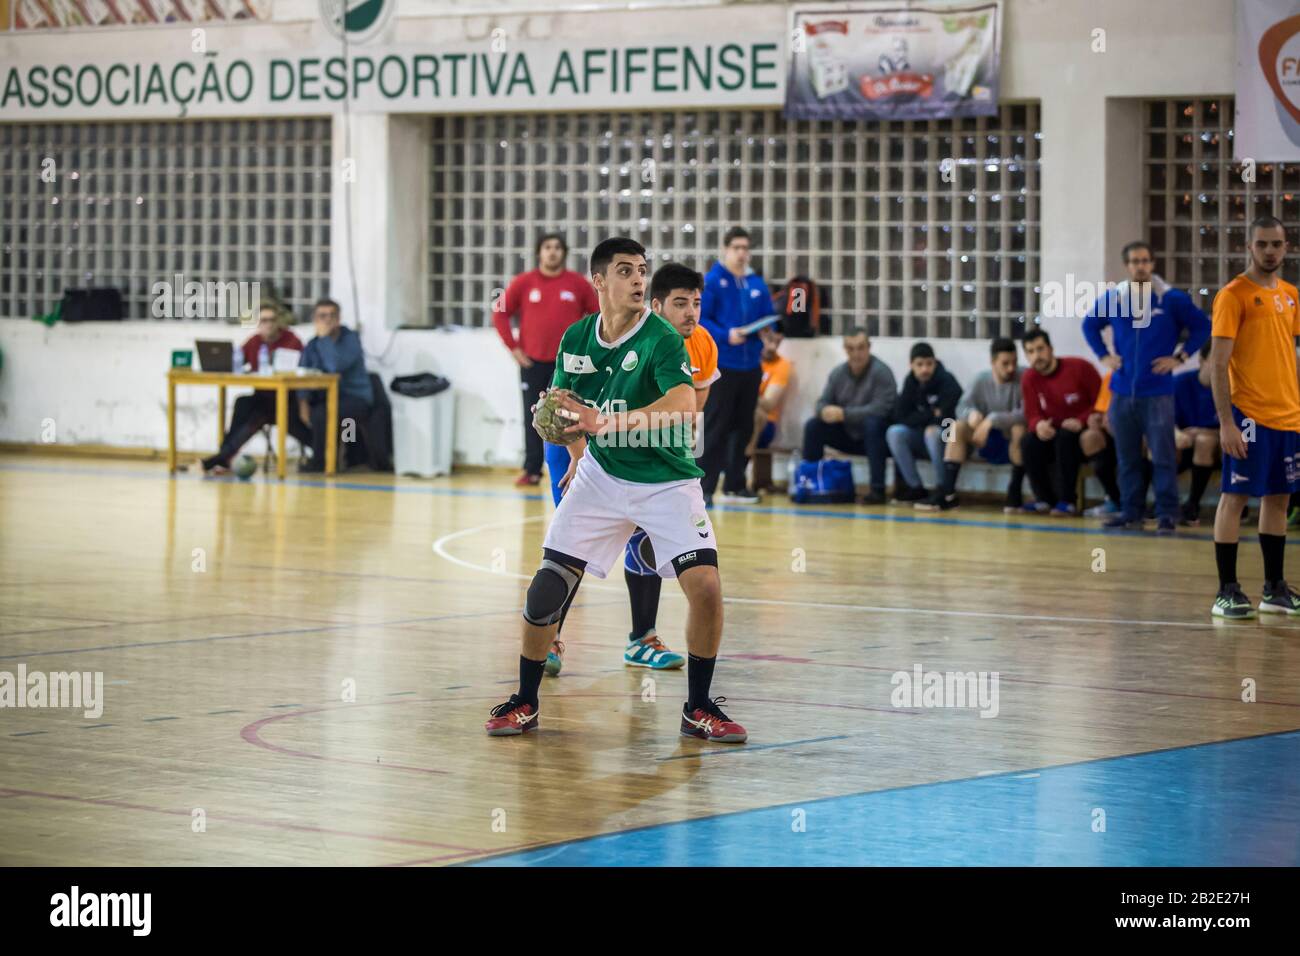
[[1012, 680], [251, 733], [236, 818]]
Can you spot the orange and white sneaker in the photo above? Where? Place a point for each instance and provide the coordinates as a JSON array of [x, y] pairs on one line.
[[710, 723], [512, 718], [554, 658]]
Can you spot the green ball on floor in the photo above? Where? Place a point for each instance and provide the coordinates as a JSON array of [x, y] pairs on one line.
[[245, 467]]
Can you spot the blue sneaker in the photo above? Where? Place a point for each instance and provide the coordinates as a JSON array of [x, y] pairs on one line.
[[554, 658], [649, 651], [1064, 509]]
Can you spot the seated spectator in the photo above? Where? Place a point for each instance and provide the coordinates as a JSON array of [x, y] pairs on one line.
[[336, 349], [927, 400], [1059, 394], [771, 391], [990, 418], [1196, 433], [254, 412], [854, 410], [1098, 447]]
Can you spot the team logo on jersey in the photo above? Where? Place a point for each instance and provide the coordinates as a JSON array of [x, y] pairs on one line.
[[578, 364], [753, 293], [629, 361], [566, 296], [535, 295], [686, 368]]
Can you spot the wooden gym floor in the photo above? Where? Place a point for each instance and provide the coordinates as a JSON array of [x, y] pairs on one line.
[[230, 619]]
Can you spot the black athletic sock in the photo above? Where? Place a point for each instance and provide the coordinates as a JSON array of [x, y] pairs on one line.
[[530, 678], [1273, 546], [950, 471], [643, 594], [1225, 555], [1200, 479], [699, 675], [1015, 493]]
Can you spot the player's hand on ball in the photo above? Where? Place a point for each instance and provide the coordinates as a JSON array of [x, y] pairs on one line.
[[584, 418], [554, 420]]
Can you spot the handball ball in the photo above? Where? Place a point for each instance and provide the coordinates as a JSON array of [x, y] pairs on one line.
[[550, 421], [245, 467]]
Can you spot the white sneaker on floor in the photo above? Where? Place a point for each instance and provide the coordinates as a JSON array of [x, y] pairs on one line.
[[734, 498]]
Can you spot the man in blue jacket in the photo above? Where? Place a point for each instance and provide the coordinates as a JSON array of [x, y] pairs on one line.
[[734, 296], [336, 348], [1146, 329]]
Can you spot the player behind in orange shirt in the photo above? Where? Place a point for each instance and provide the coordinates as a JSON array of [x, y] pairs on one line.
[[1257, 397], [675, 292]]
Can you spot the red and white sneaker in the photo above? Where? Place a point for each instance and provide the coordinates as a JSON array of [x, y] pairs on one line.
[[512, 718], [527, 481], [710, 723]]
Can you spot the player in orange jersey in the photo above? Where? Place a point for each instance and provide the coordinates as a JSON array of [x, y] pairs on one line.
[[1257, 397]]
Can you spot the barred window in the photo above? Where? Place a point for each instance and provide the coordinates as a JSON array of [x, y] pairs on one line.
[[902, 241], [130, 204], [1199, 202]]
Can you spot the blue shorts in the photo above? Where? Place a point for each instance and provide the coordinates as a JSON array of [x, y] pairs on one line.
[[997, 450], [1271, 465], [639, 556], [557, 463]]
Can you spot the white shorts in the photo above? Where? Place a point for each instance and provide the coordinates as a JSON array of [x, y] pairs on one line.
[[599, 512]]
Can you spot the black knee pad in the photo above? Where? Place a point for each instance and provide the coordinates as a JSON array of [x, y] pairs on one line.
[[550, 590], [707, 557]]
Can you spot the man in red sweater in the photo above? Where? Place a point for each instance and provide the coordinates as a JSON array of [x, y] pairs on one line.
[[1059, 394], [547, 301], [253, 412]]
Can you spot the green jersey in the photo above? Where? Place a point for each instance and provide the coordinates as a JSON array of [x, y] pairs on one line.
[[625, 375]]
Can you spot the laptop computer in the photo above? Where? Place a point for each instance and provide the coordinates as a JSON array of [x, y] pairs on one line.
[[214, 356]]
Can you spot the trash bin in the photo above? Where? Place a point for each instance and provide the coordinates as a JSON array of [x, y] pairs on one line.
[[423, 432]]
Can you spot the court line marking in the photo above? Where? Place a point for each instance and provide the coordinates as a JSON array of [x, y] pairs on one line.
[[439, 548], [1012, 680], [236, 818], [748, 749], [981, 776], [1030, 526], [251, 733]]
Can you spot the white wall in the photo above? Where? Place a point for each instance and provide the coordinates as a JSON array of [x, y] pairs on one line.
[[105, 383], [1091, 186]]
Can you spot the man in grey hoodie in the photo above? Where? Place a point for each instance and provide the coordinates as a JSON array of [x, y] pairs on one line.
[[854, 410]]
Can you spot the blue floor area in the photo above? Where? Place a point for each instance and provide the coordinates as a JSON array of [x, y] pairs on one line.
[[1235, 803]]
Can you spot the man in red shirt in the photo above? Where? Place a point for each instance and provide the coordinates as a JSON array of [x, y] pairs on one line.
[[253, 412], [547, 301], [1059, 394]]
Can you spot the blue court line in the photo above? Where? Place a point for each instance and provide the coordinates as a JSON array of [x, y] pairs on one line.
[[1049, 526], [1224, 803]]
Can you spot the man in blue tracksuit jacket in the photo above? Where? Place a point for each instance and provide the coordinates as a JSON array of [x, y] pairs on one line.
[[1147, 350], [733, 297]]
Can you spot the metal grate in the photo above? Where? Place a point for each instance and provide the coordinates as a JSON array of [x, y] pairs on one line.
[[1198, 204], [135, 203], [868, 211]]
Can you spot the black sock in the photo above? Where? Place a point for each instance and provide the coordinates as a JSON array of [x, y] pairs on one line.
[[530, 678], [1225, 555], [1200, 479], [1015, 494], [1273, 546], [643, 594], [950, 472], [699, 675]]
